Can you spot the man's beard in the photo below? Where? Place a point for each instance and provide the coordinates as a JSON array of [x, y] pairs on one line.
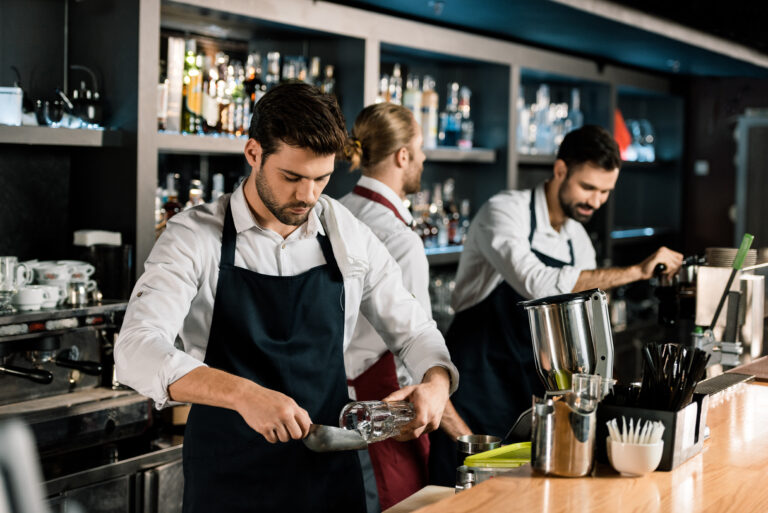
[[570, 209], [412, 183], [281, 212]]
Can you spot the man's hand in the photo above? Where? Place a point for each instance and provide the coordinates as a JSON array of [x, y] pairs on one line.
[[672, 259], [274, 415], [428, 398]]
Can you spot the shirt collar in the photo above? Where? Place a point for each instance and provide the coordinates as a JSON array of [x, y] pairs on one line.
[[244, 220], [389, 194], [543, 224]]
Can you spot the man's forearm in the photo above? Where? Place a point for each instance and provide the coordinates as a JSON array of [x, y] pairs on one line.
[[211, 387], [607, 278], [452, 423]]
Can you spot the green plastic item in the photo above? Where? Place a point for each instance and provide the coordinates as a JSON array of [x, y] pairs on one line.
[[507, 456], [746, 243]]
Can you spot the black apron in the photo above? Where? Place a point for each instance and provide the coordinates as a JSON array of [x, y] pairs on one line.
[[285, 333], [491, 346]]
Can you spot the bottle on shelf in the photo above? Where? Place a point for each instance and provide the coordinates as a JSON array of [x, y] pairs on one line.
[[396, 86], [192, 90], [450, 118], [210, 108], [273, 69], [217, 190], [195, 194], [329, 82], [314, 78], [429, 105], [544, 144], [412, 97], [172, 205], [438, 217], [255, 87], [467, 129], [463, 222], [575, 118]]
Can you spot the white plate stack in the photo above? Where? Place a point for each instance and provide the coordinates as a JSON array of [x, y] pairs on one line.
[[724, 257]]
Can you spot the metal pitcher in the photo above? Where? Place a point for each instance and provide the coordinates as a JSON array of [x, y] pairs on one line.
[[571, 334], [563, 437]]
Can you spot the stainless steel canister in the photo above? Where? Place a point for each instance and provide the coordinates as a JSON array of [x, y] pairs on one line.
[[562, 438], [475, 444]]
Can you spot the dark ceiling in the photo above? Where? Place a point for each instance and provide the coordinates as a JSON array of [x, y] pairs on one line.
[[562, 28]]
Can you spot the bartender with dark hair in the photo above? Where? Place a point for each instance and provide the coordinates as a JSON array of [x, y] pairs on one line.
[[525, 245], [262, 290]]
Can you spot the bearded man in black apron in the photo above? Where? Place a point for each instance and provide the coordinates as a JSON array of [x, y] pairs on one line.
[[262, 290], [524, 245]]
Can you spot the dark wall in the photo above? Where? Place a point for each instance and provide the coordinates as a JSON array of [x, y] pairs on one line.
[[714, 104]]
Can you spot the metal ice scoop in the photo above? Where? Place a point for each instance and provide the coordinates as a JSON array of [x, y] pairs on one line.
[[327, 438]]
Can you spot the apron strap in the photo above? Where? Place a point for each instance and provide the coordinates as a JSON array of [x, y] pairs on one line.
[[228, 238], [325, 245], [533, 226]]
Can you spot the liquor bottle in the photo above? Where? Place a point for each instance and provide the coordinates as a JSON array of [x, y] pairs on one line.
[[467, 126], [438, 217], [192, 90], [429, 104], [575, 118], [451, 210], [217, 191], [273, 70], [195, 194], [544, 144], [412, 97], [450, 118], [396, 86], [463, 222], [239, 97], [172, 205], [329, 83], [254, 85], [383, 95], [210, 104], [290, 72], [314, 77]]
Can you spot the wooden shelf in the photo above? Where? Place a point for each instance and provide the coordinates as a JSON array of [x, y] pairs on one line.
[[200, 144], [452, 154], [444, 256], [47, 136], [535, 160]]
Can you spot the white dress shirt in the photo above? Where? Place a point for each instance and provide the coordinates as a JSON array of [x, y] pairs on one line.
[[167, 324], [406, 247], [497, 249]]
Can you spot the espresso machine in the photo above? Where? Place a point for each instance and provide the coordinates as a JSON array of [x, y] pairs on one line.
[[99, 445]]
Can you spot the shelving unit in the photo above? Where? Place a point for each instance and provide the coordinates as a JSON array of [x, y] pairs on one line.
[[47, 136], [444, 256]]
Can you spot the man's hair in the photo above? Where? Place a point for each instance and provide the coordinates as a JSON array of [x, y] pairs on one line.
[[380, 130], [592, 144], [299, 115]]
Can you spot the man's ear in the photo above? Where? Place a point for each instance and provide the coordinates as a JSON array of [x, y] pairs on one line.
[[560, 170], [402, 157], [253, 153]]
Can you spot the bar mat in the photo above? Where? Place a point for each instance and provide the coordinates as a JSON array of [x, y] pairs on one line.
[[719, 383], [758, 368]]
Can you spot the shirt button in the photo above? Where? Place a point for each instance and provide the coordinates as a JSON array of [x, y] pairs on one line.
[[283, 246]]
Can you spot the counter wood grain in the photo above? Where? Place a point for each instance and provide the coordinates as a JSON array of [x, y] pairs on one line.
[[730, 475]]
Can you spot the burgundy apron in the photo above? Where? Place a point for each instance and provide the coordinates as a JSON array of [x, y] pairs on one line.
[[400, 467]]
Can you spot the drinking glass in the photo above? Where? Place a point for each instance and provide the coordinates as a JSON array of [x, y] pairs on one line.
[[54, 111]]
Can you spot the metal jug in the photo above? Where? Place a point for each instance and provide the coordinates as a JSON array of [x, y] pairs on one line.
[[563, 436], [571, 334]]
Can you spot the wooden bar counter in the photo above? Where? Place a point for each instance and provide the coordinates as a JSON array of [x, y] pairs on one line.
[[730, 474]]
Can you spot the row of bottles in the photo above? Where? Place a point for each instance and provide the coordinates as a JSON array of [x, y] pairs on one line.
[[441, 221], [543, 124], [167, 202], [204, 93], [451, 127]]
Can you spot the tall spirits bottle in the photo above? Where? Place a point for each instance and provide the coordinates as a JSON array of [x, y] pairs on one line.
[[329, 82], [412, 97], [192, 88], [396, 86], [429, 105]]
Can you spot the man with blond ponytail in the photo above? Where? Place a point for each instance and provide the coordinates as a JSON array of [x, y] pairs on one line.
[[386, 145]]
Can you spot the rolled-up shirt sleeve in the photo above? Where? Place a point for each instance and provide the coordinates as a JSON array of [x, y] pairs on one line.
[[502, 238], [400, 319], [146, 358]]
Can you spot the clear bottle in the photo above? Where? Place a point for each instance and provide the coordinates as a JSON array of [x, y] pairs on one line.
[[463, 222], [438, 217], [195, 194], [467, 128], [575, 118], [382, 96], [396, 86], [412, 97], [273, 70], [450, 118], [217, 190], [544, 138], [329, 82], [314, 77], [192, 88], [429, 105], [376, 420]]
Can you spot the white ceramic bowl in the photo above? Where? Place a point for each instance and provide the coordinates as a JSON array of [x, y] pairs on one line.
[[634, 459]]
